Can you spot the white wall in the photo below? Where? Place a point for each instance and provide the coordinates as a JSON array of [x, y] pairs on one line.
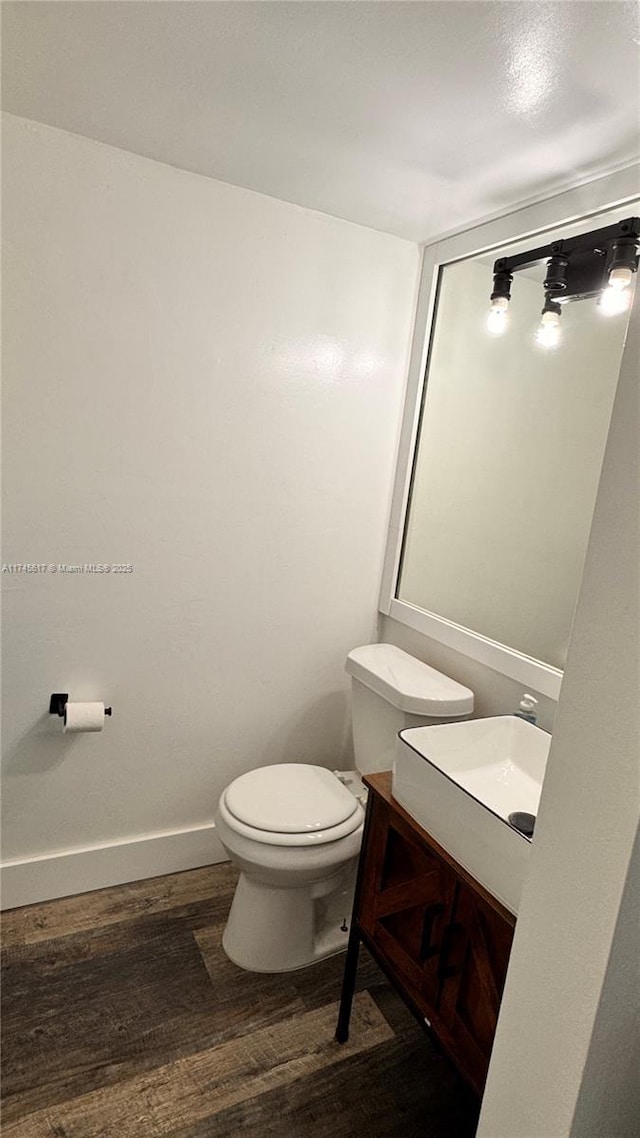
[[561, 992], [206, 383], [608, 1103]]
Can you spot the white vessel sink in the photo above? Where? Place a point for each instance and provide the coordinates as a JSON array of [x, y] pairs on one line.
[[461, 781]]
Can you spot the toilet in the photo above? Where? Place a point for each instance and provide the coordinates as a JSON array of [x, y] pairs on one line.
[[294, 830]]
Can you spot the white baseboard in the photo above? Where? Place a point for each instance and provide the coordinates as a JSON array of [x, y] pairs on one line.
[[28, 880]]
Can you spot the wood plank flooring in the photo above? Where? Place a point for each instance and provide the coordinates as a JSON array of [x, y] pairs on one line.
[[123, 1018]]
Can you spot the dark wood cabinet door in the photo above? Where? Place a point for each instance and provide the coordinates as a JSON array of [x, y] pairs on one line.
[[439, 935], [473, 968], [406, 902]]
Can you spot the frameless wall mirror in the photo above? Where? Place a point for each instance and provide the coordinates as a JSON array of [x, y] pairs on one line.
[[508, 454]]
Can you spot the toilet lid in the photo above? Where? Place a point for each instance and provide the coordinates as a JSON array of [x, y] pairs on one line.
[[290, 798]]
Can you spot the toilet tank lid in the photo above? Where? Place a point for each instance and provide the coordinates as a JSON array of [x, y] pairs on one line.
[[407, 683]]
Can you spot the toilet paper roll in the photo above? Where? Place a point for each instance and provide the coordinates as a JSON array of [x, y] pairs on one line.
[[83, 717]]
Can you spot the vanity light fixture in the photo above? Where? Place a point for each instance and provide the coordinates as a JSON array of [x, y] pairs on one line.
[[555, 286], [616, 297], [499, 312], [598, 264]]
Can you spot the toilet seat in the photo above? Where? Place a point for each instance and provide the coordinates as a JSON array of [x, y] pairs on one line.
[[290, 804]]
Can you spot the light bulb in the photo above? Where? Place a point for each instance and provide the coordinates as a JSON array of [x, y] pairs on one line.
[[498, 316], [615, 299], [548, 334], [620, 278]]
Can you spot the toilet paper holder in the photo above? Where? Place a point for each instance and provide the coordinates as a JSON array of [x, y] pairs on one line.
[[60, 699]]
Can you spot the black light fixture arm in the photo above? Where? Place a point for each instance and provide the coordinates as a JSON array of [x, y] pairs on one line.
[[577, 267], [555, 282], [501, 285]]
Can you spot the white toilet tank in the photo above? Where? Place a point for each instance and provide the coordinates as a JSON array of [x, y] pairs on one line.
[[392, 690]]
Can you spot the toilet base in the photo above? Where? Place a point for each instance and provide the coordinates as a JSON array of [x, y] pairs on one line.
[[273, 929]]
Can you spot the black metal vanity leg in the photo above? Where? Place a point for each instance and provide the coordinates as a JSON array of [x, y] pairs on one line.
[[348, 984], [353, 946]]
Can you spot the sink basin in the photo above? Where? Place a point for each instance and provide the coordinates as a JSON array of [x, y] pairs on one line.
[[461, 781]]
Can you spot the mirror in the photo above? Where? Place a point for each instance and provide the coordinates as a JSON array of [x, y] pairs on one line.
[[509, 450]]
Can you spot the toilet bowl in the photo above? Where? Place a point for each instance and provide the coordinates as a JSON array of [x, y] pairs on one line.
[[294, 830], [295, 891]]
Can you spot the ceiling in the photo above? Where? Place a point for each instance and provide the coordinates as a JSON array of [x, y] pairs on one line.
[[414, 118]]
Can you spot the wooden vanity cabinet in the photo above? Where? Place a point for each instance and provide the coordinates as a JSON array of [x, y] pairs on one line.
[[442, 940], [474, 973]]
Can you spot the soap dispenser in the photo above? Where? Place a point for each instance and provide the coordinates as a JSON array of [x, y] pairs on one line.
[[527, 708]]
